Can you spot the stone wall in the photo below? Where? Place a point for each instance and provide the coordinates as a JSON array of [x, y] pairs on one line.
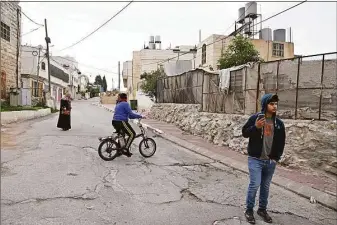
[[9, 59], [18, 116], [309, 144]]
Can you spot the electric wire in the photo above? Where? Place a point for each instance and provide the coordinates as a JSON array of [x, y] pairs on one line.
[[82, 39], [230, 35]]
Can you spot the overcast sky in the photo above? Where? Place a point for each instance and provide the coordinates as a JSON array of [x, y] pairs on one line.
[[313, 25]]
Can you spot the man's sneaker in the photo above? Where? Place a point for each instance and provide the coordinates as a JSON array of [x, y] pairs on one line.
[[249, 214], [263, 213], [127, 152]]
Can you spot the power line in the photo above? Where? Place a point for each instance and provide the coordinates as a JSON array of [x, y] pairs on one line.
[[233, 33], [103, 70], [99, 27], [235, 20], [31, 31], [31, 19]]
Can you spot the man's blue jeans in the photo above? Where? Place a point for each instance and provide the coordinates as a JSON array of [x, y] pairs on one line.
[[260, 174]]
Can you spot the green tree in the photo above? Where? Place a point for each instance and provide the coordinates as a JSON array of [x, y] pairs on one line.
[[94, 91], [98, 80], [104, 84], [240, 51], [149, 86]]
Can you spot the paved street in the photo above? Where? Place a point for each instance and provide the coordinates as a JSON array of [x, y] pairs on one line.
[[56, 177]]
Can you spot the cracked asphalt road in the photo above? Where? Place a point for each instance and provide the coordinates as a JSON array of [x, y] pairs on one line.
[[55, 177]]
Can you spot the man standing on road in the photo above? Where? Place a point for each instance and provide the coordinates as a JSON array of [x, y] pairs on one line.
[[266, 135]]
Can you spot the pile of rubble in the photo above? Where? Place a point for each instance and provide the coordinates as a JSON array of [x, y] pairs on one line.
[[309, 144]]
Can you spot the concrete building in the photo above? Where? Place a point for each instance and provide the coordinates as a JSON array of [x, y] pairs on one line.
[[71, 65], [35, 81], [211, 49], [148, 60], [127, 75], [10, 46], [83, 81]]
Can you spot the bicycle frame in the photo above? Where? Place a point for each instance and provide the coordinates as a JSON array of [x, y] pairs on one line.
[[117, 135]]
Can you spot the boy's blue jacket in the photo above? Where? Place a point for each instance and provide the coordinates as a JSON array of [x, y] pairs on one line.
[[255, 135], [123, 112]]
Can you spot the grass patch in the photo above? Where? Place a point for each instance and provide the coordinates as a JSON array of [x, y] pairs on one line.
[[54, 110]]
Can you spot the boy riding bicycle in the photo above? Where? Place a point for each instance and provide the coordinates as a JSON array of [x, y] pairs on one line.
[[120, 122]]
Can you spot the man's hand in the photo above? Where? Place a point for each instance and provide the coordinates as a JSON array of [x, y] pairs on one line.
[[260, 123]]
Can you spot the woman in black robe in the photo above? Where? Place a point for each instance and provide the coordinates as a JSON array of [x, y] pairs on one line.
[[64, 117]]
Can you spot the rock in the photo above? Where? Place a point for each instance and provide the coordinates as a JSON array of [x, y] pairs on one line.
[[309, 144], [312, 200], [331, 169]]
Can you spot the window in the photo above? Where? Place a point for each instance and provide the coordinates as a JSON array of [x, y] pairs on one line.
[[35, 91], [43, 66], [278, 50], [5, 32], [37, 88], [203, 54]]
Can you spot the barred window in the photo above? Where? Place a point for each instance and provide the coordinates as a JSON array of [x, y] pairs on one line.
[[43, 66], [278, 50], [5, 31]]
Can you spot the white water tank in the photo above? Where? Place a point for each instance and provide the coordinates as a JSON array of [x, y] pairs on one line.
[[251, 9], [157, 39], [266, 34], [152, 46], [151, 39], [280, 35], [241, 15]]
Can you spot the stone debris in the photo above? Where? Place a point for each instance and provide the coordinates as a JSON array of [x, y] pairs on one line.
[[309, 144], [312, 200]]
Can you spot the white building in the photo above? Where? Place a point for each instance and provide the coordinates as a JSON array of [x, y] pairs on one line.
[[152, 57], [35, 81], [71, 65], [127, 75]]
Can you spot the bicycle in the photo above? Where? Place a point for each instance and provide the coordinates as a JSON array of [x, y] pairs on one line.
[[117, 141]]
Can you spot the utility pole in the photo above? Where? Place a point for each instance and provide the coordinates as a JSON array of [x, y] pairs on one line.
[[47, 53], [38, 63], [119, 75]]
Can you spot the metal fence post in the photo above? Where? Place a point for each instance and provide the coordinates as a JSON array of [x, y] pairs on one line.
[[277, 76], [320, 97], [258, 88], [202, 91], [245, 91], [297, 83]]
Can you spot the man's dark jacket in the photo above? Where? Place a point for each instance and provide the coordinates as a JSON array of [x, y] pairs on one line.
[[255, 135]]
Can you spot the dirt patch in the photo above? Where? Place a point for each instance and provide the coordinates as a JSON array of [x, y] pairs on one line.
[[9, 135]]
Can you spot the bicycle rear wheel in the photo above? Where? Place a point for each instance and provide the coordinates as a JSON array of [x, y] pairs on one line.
[[147, 147], [112, 149]]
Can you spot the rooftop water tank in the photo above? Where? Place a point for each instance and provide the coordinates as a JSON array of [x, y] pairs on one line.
[[241, 15], [266, 34], [152, 46], [157, 39], [251, 10], [280, 35], [151, 39]]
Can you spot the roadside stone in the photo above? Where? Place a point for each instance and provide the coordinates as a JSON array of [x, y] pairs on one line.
[[309, 144]]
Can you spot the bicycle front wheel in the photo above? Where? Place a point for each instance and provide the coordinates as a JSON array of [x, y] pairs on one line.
[[147, 147]]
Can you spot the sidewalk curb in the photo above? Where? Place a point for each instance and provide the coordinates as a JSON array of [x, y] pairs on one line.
[[305, 191], [323, 198]]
